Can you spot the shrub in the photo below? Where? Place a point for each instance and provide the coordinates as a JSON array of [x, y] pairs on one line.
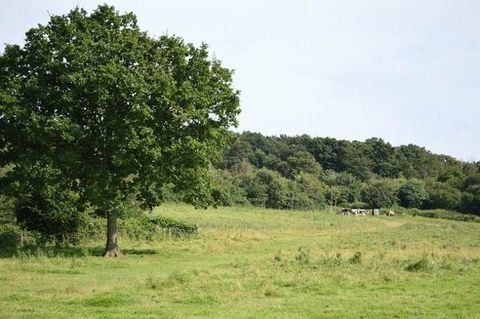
[[54, 215], [378, 194], [10, 239], [441, 213], [266, 188], [310, 186], [470, 202], [140, 227], [412, 194], [174, 227], [224, 190], [442, 195]]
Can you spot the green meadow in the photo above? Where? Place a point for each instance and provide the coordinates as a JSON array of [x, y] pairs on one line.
[[256, 263]]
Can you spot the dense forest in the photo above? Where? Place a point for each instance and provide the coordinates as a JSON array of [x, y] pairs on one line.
[[304, 172]]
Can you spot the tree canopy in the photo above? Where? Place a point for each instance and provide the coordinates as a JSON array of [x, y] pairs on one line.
[[116, 113], [313, 172]]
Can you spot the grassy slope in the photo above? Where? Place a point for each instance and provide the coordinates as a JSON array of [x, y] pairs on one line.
[[262, 264]]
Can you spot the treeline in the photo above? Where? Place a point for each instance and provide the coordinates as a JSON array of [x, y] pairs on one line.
[[273, 172], [304, 172]]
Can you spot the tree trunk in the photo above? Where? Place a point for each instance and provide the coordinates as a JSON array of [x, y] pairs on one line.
[[111, 248]]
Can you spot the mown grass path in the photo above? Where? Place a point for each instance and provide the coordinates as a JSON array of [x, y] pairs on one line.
[[248, 263]]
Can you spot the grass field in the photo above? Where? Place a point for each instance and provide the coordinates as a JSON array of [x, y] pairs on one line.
[[250, 263]]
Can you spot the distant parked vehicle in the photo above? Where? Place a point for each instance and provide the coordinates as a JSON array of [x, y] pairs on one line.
[[354, 212]]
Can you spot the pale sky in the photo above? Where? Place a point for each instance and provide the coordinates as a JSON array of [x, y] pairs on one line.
[[407, 71]]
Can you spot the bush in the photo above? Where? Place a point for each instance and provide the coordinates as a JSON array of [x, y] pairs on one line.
[[224, 190], [441, 213], [470, 202], [310, 186], [266, 188], [174, 227], [378, 194], [10, 239], [412, 194], [442, 195], [46, 201], [55, 216], [277, 193], [299, 200], [138, 227]]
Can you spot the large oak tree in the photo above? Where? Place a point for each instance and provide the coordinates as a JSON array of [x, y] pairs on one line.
[[114, 111]]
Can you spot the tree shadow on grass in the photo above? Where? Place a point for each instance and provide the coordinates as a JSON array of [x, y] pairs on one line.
[[74, 251], [51, 251], [137, 251]]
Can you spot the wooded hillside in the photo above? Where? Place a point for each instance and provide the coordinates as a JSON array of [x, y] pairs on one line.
[[310, 172]]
